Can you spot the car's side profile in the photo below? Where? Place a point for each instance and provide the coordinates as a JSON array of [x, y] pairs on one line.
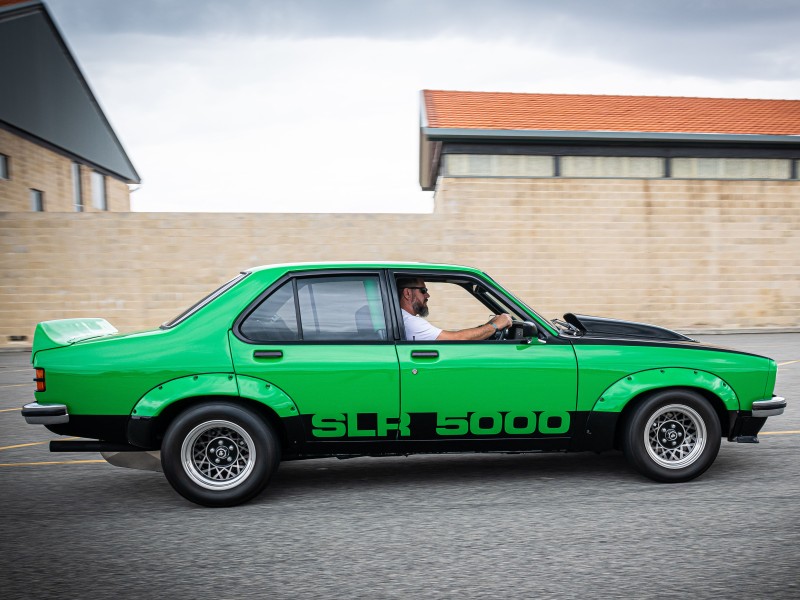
[[311, 360]]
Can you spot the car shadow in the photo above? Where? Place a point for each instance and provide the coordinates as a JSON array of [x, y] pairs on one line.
[[327, 477], [445, 470]]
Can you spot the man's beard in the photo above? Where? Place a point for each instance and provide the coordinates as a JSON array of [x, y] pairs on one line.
[[421, 308]]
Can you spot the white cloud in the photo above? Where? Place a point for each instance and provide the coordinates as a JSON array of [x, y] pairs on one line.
[[235, 123]]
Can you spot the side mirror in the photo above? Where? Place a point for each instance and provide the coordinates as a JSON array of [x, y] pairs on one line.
[[529, 331]]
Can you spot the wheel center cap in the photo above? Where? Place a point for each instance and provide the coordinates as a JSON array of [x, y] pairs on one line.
[[222, 451], [671, 434]]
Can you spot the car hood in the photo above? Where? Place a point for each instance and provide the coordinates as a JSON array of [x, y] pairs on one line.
[[589, 326]]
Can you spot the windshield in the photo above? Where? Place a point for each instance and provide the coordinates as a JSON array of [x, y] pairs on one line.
[[522, 304]]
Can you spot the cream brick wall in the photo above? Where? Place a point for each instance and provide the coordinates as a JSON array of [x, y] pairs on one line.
[[687, 254], [684, 254], [32, 166]]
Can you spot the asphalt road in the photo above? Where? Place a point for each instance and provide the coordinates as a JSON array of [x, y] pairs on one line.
[[466, 526]]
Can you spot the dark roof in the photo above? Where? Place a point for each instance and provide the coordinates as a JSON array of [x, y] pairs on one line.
[[47, 97]]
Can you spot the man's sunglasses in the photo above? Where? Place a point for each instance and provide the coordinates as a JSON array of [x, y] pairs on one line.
[[424, 290]]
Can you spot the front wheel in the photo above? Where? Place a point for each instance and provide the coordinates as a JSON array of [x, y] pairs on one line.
[[672, 436], [219, 454]]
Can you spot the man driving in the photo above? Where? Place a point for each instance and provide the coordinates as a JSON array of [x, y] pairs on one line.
[[414, 304]]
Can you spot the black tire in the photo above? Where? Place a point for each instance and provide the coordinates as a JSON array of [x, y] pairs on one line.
[[219, 454], [672, 436]]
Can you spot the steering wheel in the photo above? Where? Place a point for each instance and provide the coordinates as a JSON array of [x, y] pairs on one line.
[[501, 334]]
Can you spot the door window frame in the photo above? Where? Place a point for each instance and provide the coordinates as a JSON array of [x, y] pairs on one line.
[[444, 276], [293, 277]]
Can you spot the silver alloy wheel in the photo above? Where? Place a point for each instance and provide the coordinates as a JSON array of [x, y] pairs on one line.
[[675, 436], [218, 455]]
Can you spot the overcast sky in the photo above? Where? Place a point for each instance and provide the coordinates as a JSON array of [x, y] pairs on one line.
[[313, 105]]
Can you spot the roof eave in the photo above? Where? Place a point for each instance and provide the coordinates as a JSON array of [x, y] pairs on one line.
[[449, 134], [132, 176], [20, 6], [428, 151]]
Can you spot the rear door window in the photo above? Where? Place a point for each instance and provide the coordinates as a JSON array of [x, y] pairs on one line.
[[344, 308]]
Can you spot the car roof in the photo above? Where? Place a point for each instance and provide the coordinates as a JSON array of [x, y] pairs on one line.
[[307, 266]]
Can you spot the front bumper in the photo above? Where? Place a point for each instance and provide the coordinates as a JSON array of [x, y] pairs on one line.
[[45, 414], [746, 425], [769, 408]]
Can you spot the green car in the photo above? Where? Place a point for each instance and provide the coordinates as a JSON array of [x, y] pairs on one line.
[[297, 361]]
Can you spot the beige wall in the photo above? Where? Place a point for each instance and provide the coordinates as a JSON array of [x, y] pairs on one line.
[[699, 254], [686, 254], [32, 166]]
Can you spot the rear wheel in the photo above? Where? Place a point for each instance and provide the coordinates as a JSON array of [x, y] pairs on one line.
[[219, 454], [672, 436]]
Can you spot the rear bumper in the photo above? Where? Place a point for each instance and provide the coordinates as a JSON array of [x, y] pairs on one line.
[[769, 408], [45, 414]]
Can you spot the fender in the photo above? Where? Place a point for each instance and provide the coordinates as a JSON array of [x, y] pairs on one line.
[[618, 394], [601, 422], [267, 394], [157, 399], [206, 384]]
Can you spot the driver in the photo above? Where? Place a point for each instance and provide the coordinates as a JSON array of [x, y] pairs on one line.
[[414, 304]]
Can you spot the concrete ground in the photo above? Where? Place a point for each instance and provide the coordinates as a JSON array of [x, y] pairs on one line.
[[467, 526]]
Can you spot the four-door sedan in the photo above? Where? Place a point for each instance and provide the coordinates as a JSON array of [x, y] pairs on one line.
[[297, 361]]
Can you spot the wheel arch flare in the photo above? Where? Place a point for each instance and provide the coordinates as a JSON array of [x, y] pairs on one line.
[[154, 402], [158, 407], [614, 406], [619, 394]]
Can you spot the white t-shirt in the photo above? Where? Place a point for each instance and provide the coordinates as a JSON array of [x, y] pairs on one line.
[[418, 328]]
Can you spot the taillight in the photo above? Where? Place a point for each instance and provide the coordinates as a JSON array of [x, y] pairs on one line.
[[39, 379]]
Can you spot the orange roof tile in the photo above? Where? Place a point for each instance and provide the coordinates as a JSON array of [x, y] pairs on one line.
[[572, 112]]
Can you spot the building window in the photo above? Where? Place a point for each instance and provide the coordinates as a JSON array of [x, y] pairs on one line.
[[77, 188], [3, 166], [731, 168], [494, 165], [37, 201], [642, 167], [618, 167], [99, 191]]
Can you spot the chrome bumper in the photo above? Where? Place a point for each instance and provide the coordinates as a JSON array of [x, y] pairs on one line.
[[769, 408], [45, 414]]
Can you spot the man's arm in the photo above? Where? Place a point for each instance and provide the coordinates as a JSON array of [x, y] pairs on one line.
[[481, 332]]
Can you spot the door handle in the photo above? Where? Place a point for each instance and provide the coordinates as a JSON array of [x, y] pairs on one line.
[[424, 354], [268, 354]]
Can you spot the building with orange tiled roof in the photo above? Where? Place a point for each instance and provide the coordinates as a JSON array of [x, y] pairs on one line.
[[595, 136]]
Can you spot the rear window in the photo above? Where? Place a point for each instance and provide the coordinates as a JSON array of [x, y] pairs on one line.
[[197, 306]]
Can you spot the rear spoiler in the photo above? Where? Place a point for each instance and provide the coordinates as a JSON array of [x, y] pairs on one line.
[[64, 332]]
